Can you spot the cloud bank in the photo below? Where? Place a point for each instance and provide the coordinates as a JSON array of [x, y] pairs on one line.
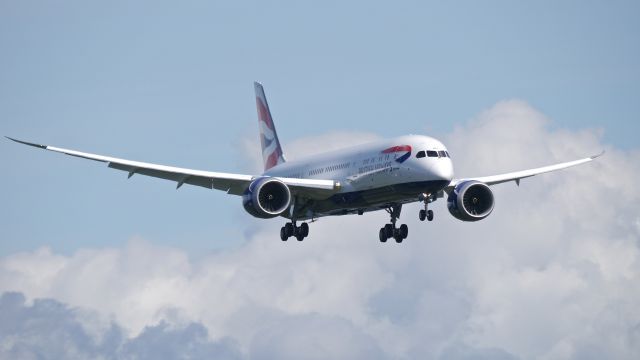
[[49, 329], [551, 274]]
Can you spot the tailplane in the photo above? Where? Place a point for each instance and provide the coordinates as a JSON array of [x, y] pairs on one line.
[[271, 150]]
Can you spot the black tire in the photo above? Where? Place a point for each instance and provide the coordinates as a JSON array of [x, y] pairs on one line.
[[388, 230], [288, 228], [398, 238], [383, 235], [299, 237], [422, 215], [304, 228], [404, 231], [283, 234], [430, 215]]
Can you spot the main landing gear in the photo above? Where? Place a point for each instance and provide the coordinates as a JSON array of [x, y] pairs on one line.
[[290, 229], [390, 230], [426, 213]]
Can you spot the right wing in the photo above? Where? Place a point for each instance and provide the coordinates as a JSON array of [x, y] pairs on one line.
[[234, 184], [518, 175]]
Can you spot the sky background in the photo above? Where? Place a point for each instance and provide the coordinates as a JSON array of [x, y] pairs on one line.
[[125, 265]]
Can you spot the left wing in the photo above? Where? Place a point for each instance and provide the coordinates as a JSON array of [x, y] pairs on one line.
[[234, 184], [518, 175]]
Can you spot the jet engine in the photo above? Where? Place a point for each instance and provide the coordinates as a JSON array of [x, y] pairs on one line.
[[266, 197], [470, 201]]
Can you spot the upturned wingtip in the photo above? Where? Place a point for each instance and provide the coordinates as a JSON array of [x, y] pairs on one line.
[[598, 155], [27, 143]]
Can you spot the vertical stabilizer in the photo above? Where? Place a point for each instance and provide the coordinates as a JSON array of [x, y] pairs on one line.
[[271, 150]]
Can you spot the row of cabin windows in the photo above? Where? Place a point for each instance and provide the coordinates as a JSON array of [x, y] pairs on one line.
[[432, 153], [329, 168]]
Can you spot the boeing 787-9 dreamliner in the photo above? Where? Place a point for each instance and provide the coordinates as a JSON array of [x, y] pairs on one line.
[[381, 175]]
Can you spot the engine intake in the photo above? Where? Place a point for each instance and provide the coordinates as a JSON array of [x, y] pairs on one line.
[[470, 201], [266, 197]]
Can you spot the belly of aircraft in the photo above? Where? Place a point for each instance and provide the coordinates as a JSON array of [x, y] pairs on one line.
[[369, 199]]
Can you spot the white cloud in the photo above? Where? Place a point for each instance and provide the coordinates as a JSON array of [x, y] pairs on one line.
[[552, 273], [50, 330]]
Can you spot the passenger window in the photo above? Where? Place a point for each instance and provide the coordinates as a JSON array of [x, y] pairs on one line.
[[420, 154], [431, 153]]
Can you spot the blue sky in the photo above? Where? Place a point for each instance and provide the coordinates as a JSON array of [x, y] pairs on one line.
[[125, 267]]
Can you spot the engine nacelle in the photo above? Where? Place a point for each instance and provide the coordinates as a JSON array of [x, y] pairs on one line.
[[266, 197], [470, 201]]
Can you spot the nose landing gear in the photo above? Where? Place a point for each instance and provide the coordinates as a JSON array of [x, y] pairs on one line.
[[426, 213], [390, 230]]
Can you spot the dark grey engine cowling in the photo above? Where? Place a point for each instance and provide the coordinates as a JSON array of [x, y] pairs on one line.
[[266, 197], [470, 201]]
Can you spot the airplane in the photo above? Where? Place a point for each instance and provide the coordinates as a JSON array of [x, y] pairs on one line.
[[381, 175]]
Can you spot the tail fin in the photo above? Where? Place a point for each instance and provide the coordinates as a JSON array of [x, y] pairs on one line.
[[271, 150]]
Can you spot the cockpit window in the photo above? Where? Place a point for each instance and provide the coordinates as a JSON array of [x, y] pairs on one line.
[[420, 154], [431, 153], [441, 153], [446, 152]]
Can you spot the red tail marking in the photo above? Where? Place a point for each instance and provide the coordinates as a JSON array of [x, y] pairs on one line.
[[263, 113]]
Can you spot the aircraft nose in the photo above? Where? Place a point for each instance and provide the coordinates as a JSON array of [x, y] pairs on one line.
[[444, 170]]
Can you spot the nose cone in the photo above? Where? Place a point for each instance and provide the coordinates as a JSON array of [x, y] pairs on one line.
[[443, 170]]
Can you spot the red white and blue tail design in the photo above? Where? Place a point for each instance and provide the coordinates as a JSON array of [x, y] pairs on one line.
[[271, 150]]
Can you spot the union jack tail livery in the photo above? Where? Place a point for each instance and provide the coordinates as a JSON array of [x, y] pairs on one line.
[[271, 150]]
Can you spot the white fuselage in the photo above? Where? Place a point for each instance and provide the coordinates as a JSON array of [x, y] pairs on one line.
[[374, 175]]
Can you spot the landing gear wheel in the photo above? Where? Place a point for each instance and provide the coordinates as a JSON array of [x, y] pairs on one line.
[[426, 213], [397, 236], [383, 235], [404, 231], [283, 234], [289, 229], [388, 230], [298, 233], [304, 230]]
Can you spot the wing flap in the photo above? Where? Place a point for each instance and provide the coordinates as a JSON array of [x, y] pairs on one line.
[[180, 178]]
